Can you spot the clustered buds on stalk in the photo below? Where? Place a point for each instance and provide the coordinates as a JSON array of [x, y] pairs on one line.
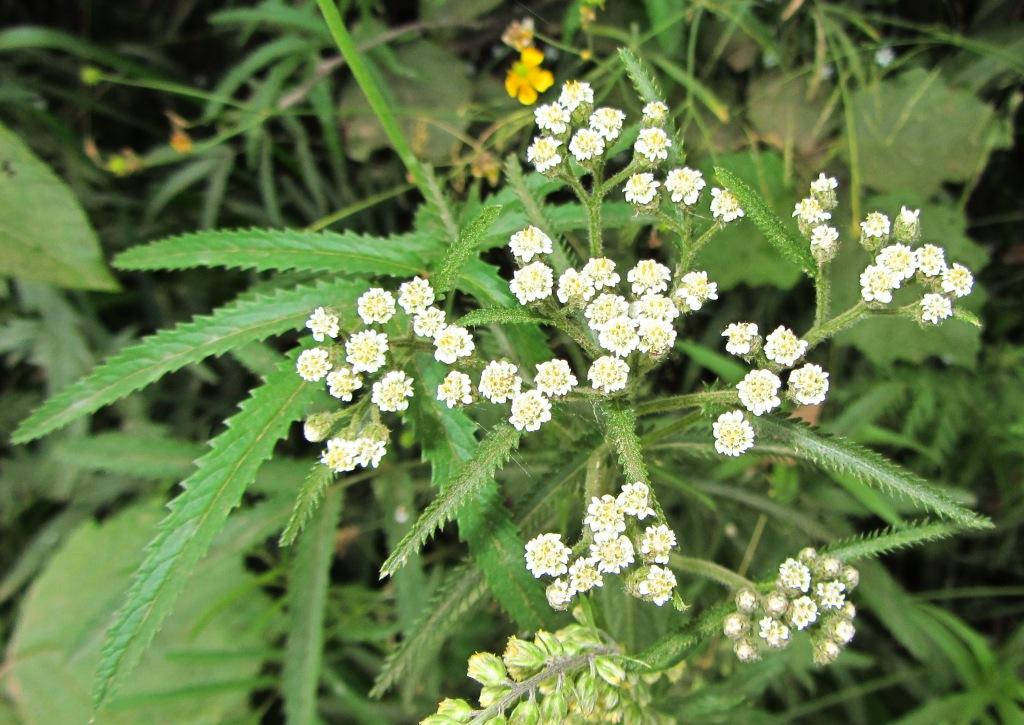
[[809, 595]]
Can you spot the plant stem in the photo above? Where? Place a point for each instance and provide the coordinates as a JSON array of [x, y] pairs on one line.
[[709, 570], [691, 251], [687, 400], [822, 295], [821, 332], [593, 205]]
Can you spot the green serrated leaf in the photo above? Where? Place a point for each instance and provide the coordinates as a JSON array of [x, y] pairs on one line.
[[643, 80], [126, 454], [620, 424], [307, 595], [492, 452], [838, 454], [196, 516], [501, 316], [250, 317], [307, 502], [464, 248], [346, 253], [764, 218], [891, 538]]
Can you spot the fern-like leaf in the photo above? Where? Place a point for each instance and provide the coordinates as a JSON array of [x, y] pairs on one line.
[[346, 253], [196, 515], [251, 317], [307, 502], [307, 593], [501, 316], [769, 224], [838, 454], [491, 454], [644, 82], [620, 424], [464, 248], [890, 539]]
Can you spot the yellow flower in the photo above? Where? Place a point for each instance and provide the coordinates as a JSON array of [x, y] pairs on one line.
[[526, 78]]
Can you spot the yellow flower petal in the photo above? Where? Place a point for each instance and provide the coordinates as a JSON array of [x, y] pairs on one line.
[[527, 96], [541, 79], [512, 84], [531, 57]]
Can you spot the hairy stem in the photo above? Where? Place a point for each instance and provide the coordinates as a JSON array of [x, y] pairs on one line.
[[823, 331], [822, 295], [710, 570], [688, 400]]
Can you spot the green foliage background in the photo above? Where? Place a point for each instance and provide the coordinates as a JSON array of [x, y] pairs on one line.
[[282, 136]]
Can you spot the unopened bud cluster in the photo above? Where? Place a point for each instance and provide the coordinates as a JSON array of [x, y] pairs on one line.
[[810, 595]]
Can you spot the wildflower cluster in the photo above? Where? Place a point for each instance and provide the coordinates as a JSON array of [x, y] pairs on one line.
[[809, 595], [572, 675], [613, 539]]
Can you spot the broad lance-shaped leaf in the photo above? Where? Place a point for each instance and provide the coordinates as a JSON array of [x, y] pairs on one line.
[[196, 515], [250, 317], [309, 577], [347, 253], [492, 453], [763, 216], [464, 248], [838, 454]]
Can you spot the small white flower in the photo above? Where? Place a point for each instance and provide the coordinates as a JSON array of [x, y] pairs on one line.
[[794, 575], [392, 392], [735, 625], [875, 224], [957, 280], [604, 516], [607, 122], [884, 56], [376, 305], [529, 243], [653, 144], [601, 272], [824, 184], [575, 288], [910, 216], [640, 189], [547, 555], [612, 553], [322, 324], [782, 346], [586, 144], [452, 342], [543, 153], [935, 308], [500, 381], [930, 260], [773, 632], [746, 600], [656, 336], [810, 211], [530, 410], [313, 364], [415, 295], [604, 308], [558, 594], [776, 604], [455, 389], [824, 237], [830, 595], [733, 434], [740, 337], [369, 451], [365, 351], [843, 630], [826, 651], [532, 283], [608, 374], [746, 651], [877, 284], [657, 586], [342, 383], [899, 259], [759, 391], [655, 112], [619, 336], [649, 276], [725, 205], [695, 289], [653, 306], [803, 612], [656, 543], [574, 94], [554, 378], [684, 185], [428, 322], [340, 455], [552, 118], [808, 385], [584, 576], [635, 499]]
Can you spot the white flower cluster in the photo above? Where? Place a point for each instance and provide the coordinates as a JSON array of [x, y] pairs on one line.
[[613, 545], [810, 594]]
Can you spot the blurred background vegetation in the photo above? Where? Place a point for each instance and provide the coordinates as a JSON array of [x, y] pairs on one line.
[[168, 117]]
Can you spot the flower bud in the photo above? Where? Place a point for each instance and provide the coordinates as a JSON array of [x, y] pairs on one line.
[[807, 555], [526, 713], [549, 643], [776, 604], [746, 600], [586, 692], [907, 227], [828, 567], [554, 708], [318, 426], [487, 669], [610, 671], [735, 625], [523, 659], [850, 577], [825, 651], [746, 650], [457, 710], [491, 694]]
